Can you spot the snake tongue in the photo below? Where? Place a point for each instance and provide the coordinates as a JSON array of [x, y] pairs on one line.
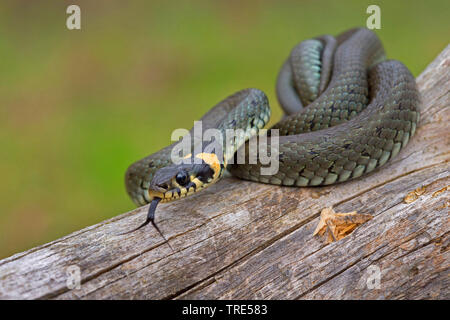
[[152, 209], [151, 218]]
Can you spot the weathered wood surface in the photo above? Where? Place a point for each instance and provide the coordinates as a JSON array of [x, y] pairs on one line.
[[246, 240]]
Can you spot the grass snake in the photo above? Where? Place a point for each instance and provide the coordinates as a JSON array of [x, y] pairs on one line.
[[348, 110]]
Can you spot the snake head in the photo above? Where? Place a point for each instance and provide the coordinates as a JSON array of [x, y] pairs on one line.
[[178, 181]]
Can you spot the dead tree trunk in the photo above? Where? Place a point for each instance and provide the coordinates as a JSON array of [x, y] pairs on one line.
[[247, 240]]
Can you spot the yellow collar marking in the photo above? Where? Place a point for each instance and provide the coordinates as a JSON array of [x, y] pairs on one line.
[[212, 160]]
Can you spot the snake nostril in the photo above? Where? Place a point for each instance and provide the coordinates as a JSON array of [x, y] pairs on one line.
[[163, 185]]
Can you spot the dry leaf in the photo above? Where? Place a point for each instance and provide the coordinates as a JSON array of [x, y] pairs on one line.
[[339, 225], [414, 195], [447, 188]]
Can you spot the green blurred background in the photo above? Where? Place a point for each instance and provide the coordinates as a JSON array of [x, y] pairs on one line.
[[77, 107]]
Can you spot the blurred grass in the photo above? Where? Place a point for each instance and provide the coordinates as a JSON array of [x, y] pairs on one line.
[[77, 107]]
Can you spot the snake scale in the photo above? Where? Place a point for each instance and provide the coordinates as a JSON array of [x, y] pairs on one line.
[[348, 111]]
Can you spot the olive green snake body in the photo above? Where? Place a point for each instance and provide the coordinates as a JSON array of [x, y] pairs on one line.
[[360, 111]]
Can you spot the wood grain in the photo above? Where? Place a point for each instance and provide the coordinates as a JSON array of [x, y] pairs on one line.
[[244, 240]]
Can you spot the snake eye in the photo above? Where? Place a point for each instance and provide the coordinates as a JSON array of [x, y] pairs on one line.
[[182, 178]]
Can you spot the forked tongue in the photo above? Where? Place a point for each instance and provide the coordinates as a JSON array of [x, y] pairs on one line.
[[151, 218]]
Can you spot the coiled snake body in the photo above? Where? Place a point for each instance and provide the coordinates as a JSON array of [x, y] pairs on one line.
[[360, 110]]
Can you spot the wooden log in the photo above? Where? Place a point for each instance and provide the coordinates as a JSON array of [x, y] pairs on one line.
[[246, 240]]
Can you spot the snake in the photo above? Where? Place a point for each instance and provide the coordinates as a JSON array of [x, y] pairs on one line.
[[347, 111]]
